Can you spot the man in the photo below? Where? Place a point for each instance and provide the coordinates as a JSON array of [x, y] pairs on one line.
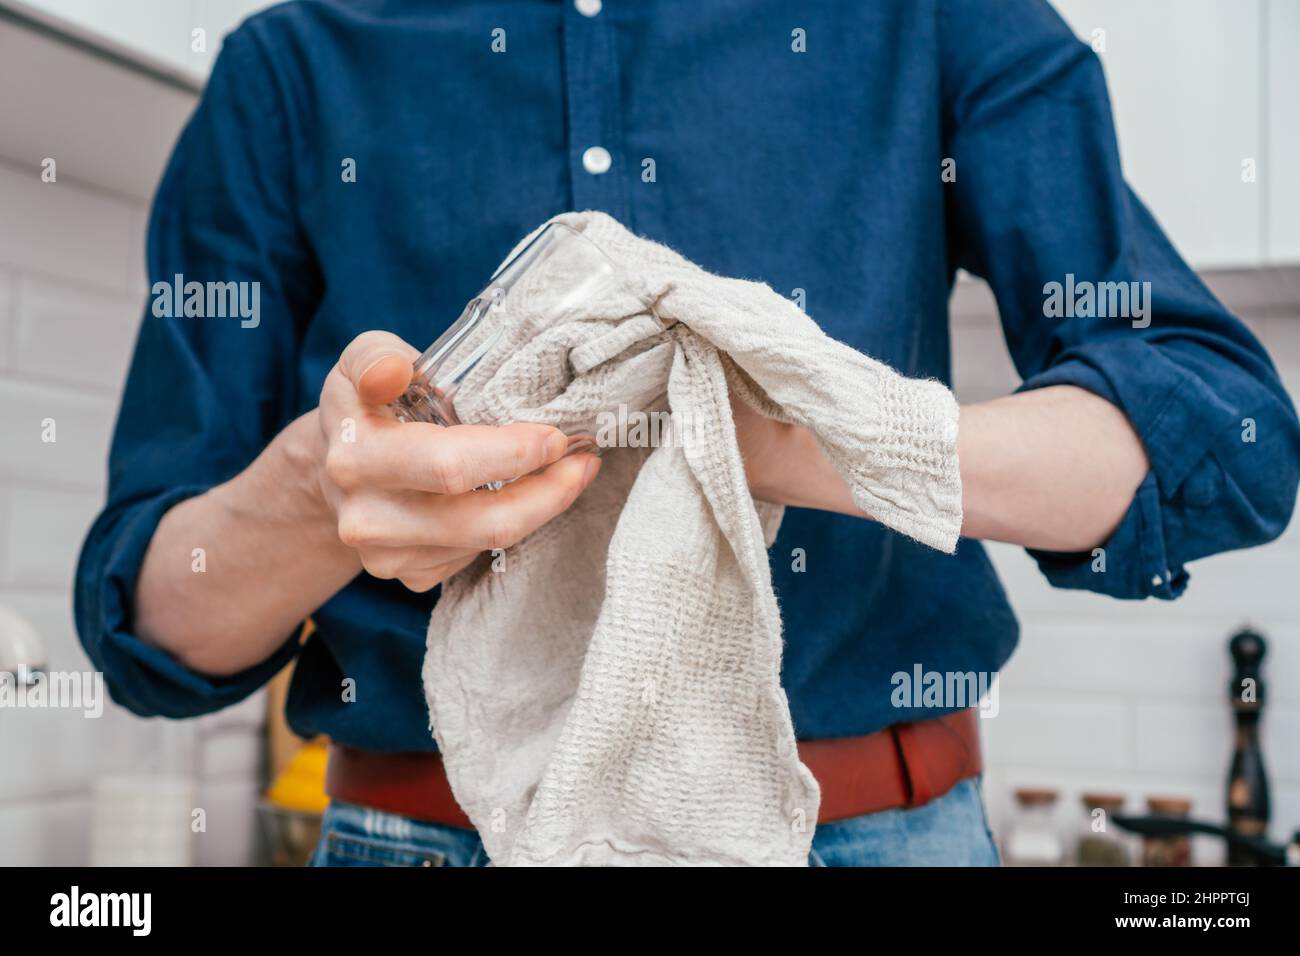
[[367, 163]]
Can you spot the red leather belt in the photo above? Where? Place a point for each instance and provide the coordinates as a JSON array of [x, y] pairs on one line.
[[905, 765]]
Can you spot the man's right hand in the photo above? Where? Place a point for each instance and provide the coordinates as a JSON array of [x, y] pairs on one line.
[[344, 487], [403, 492]]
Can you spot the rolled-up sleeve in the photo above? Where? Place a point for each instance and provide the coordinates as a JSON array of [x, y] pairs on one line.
[[1041, 210], [205, 393]]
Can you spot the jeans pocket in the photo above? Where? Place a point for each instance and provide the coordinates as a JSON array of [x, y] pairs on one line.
[[342, 849]]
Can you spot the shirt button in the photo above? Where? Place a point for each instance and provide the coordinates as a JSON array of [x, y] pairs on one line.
[[596, 160], [588, 8], [1155, 581]]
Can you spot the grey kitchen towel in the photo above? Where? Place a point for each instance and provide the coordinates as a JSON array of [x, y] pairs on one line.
[[607, 692]]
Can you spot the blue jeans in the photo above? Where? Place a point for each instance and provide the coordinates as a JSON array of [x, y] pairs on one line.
[[951, 830]]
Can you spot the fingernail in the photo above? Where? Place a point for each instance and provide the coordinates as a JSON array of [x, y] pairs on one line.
[[593, 466], [375, 362]]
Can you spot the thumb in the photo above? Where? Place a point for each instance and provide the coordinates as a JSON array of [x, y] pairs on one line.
[[379, 366]]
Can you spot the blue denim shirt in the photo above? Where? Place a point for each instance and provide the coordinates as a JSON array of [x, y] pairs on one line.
[[821, 171]]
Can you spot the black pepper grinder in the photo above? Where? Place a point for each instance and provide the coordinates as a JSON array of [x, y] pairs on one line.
[[1248, 804]]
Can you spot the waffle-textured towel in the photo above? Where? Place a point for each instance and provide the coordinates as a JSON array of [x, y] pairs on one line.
[[608, 691]]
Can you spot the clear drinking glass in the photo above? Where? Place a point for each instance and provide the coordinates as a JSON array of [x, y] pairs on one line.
[[576, 271]]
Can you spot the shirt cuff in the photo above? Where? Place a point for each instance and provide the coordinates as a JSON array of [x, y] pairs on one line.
[[1178, 418], [143, 678], [1132, 564]]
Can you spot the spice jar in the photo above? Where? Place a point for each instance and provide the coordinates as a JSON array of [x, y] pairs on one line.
[[1173, 850], [1035, 839], [1100, 844]]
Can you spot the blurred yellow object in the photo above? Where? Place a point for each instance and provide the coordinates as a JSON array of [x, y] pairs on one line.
[[301, 785]]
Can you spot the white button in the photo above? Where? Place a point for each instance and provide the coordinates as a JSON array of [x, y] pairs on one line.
[[1155, 582], [588, 8], [596, 160]]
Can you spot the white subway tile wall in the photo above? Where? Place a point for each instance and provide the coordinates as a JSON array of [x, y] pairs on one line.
[[72, 290], [1101, 694], [1132, 696]]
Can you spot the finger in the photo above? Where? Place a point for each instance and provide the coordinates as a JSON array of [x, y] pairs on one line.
[[478, 521], [420, 456], [386, 562], [379, 366], [499, 520], [339, 399], [421, 581]]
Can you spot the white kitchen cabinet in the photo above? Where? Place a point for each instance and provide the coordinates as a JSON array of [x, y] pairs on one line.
[[160, 31], [1187, 89], [1282, 26]]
